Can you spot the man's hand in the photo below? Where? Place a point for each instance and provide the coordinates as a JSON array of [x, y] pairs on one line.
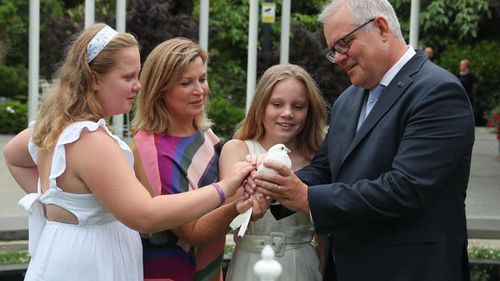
[[285, 187]]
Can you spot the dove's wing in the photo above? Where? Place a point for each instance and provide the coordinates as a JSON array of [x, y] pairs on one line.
[[265, 170], [237, 221], [246, 221], [277, 153], [242, 221]]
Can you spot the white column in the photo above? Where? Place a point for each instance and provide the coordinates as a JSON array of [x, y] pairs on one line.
[[89, 12], [252, 51], [414, 15], [285, 31], [34, 56], [121, 8], [121, 12], [203, 25]]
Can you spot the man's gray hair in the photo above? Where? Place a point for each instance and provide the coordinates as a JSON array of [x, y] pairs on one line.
[[364, 10]]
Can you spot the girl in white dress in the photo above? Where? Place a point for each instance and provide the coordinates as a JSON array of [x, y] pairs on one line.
[[84, 201], [287, 108]]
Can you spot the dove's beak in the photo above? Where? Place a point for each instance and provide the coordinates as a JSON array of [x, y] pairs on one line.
[[288, 150]]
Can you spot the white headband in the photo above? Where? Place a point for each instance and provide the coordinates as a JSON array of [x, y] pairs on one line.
[[100, 40]]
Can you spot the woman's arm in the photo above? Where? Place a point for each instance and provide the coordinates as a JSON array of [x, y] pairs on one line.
[[216, 223], [20, 163], [138, 169], [98, 161]]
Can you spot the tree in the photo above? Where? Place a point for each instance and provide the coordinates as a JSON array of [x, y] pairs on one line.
[[154, 21], [445, 21], [14, 19], [229, 41], [14, 22], [485, 65]]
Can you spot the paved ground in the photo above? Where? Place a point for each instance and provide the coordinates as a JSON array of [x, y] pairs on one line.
[[483, 196], [13, 220]]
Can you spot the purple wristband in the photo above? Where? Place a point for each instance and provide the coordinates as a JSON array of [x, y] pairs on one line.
[[222, 196]]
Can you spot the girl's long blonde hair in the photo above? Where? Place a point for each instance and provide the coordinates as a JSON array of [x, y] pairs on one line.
[[311, 136], [71, 97]]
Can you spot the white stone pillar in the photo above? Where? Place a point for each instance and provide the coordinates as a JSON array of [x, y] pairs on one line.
[[89, 12], [203, 25], [252, 50], [414, 16], [285, 31], [34, 57], [118, 120]]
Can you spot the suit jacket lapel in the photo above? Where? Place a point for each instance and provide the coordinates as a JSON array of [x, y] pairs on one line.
[[353, 116], [349, 127], [386, 100]]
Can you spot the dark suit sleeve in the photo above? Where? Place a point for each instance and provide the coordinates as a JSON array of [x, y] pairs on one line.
[[432, 153]]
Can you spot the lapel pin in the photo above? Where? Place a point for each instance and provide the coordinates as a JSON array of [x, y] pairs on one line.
[[401, 84]]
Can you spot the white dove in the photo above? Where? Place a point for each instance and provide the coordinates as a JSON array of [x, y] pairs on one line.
[[277, 153]]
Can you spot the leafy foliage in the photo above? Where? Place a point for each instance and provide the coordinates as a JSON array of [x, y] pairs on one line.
[[14, 19], [105, 11], [14, 257], [484, 272], [444, 24], [485, 65], [154, 21], [227, 80], [228, 35], [484, 253], [228, 48], [13, 81], [445, 21], [225, 116], [55, 35], [307, 49], [13, 31], [13, 117], [459, 19]]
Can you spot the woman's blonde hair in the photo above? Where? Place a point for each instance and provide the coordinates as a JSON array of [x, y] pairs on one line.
[[162, 69], [71, 97], [311, 136]]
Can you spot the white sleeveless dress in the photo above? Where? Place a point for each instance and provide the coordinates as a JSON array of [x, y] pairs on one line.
[[99, 247], [289, 237]]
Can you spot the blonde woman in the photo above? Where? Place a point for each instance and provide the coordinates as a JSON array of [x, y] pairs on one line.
[[177, 152], [84, 200], [287, 108]]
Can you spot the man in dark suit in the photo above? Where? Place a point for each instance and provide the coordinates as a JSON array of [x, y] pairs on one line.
[[389, 182]]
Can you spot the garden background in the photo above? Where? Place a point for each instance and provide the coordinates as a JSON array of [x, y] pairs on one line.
[[455, 29]]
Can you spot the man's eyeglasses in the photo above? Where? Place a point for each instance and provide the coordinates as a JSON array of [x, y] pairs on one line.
[[342, 45]]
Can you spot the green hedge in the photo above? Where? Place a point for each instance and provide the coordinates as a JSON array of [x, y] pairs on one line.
[[13, 117], [485, 65], [478, 273], [225, 116], [485, 271], [14, 82], [14, 257]]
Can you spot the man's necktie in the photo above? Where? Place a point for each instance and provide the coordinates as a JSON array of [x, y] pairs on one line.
[[369, 103]]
